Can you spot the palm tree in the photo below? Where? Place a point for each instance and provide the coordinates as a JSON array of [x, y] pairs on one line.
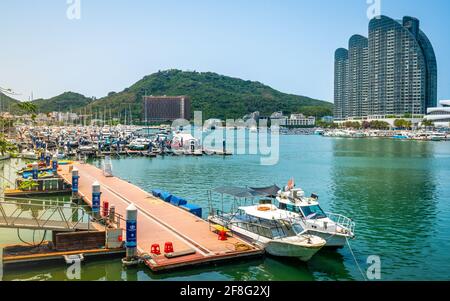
[[6, 146]]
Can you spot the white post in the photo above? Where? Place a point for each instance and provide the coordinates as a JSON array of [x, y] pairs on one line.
[[131, 228]]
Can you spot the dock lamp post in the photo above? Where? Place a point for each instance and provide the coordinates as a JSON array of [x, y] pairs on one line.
[[47, 159], [35, 170], [131, 236], [75, 180], [55, 164], [96, 193]]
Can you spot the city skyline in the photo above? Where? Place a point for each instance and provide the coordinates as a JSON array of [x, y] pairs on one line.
[[287, 46]]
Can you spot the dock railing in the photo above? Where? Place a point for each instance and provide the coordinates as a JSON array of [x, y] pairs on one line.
[[43, 214]]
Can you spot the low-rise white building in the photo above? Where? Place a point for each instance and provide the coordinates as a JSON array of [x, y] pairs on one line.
[[440, 116], [300, 120]]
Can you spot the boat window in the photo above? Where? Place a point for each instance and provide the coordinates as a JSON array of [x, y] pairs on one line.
[[277, 232], [290, 208], [313, 212], [297, 228]]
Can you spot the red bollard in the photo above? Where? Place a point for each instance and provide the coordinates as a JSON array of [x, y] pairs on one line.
[[105, 211]]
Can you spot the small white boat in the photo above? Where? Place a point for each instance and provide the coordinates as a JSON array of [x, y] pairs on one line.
[[334, 228], [262, 225], [139, 144], [186, 144], [29, 155]]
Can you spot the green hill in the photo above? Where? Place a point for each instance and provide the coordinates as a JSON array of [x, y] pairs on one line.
[[68, 101], [216, 95], [8, 104]]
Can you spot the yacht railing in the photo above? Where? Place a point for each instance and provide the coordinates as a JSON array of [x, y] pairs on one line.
[[254, 227], [342, 221]]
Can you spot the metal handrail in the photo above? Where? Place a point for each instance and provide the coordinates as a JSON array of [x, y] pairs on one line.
[[41, 201], [40, 220], [342, 221], [259, 226]]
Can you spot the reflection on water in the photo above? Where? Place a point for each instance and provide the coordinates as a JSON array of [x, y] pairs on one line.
[[396, 191], [389, 188]]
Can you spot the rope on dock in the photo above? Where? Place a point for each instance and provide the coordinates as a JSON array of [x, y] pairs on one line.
[[34, 243]]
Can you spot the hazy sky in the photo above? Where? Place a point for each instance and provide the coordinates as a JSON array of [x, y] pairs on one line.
[[286, 44]]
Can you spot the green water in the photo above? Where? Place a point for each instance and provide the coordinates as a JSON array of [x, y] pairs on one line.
[[397, 192]]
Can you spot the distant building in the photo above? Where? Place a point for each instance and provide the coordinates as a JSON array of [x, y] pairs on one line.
[[341, 83], [60, 117], [255, 116], [393, 72], [328, 119], [300, 120], [278, 118], [166, 108], [440, 116]]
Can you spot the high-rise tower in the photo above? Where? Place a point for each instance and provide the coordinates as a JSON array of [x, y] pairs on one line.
[[393, 72]]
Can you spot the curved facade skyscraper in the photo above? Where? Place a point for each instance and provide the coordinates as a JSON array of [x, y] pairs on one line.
[[358, 62], [393, 72], [341, 83]]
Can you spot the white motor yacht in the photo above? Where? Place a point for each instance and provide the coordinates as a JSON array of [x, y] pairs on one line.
[[262, 225], [334, 228], [139, 144]]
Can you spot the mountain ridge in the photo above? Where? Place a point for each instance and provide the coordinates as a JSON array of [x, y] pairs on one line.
[[217, 96]]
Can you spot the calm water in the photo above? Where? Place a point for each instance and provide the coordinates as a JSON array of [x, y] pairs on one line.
[[397, 192]]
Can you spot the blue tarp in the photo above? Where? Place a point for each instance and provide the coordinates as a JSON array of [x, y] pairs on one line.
[[194, 209], [165, 196], [156, 193], [177, 201]]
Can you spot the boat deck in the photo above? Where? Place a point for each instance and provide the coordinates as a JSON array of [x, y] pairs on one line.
[[160, 222]]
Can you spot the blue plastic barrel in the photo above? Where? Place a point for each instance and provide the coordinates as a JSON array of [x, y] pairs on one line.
[[165, 196], [194, 209], [177, 201], [156, 193]]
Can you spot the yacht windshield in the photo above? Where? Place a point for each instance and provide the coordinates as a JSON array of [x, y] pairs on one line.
[[313, 212]]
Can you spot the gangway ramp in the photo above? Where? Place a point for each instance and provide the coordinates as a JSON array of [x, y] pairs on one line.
[[50, 215]]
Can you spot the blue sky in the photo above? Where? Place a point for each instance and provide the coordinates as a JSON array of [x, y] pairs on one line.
[[287, 44]]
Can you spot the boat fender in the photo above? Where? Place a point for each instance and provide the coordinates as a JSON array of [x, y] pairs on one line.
[[264, 208]]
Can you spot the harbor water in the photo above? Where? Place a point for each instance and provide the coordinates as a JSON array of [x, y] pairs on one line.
[[397, 192]]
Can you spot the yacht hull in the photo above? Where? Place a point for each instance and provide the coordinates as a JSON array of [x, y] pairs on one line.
[[333, 241], [287, 249]]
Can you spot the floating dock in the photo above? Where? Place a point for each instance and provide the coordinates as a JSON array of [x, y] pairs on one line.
[[194, 241], [21, 259]]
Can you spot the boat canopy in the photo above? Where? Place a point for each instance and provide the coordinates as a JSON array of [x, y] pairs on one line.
[[271, 191], [239, 192]]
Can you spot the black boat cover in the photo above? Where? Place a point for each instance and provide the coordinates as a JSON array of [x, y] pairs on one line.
[[239, 192], [270, 191]]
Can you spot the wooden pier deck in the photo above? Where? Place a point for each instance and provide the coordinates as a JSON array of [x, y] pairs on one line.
[[160, 222]]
